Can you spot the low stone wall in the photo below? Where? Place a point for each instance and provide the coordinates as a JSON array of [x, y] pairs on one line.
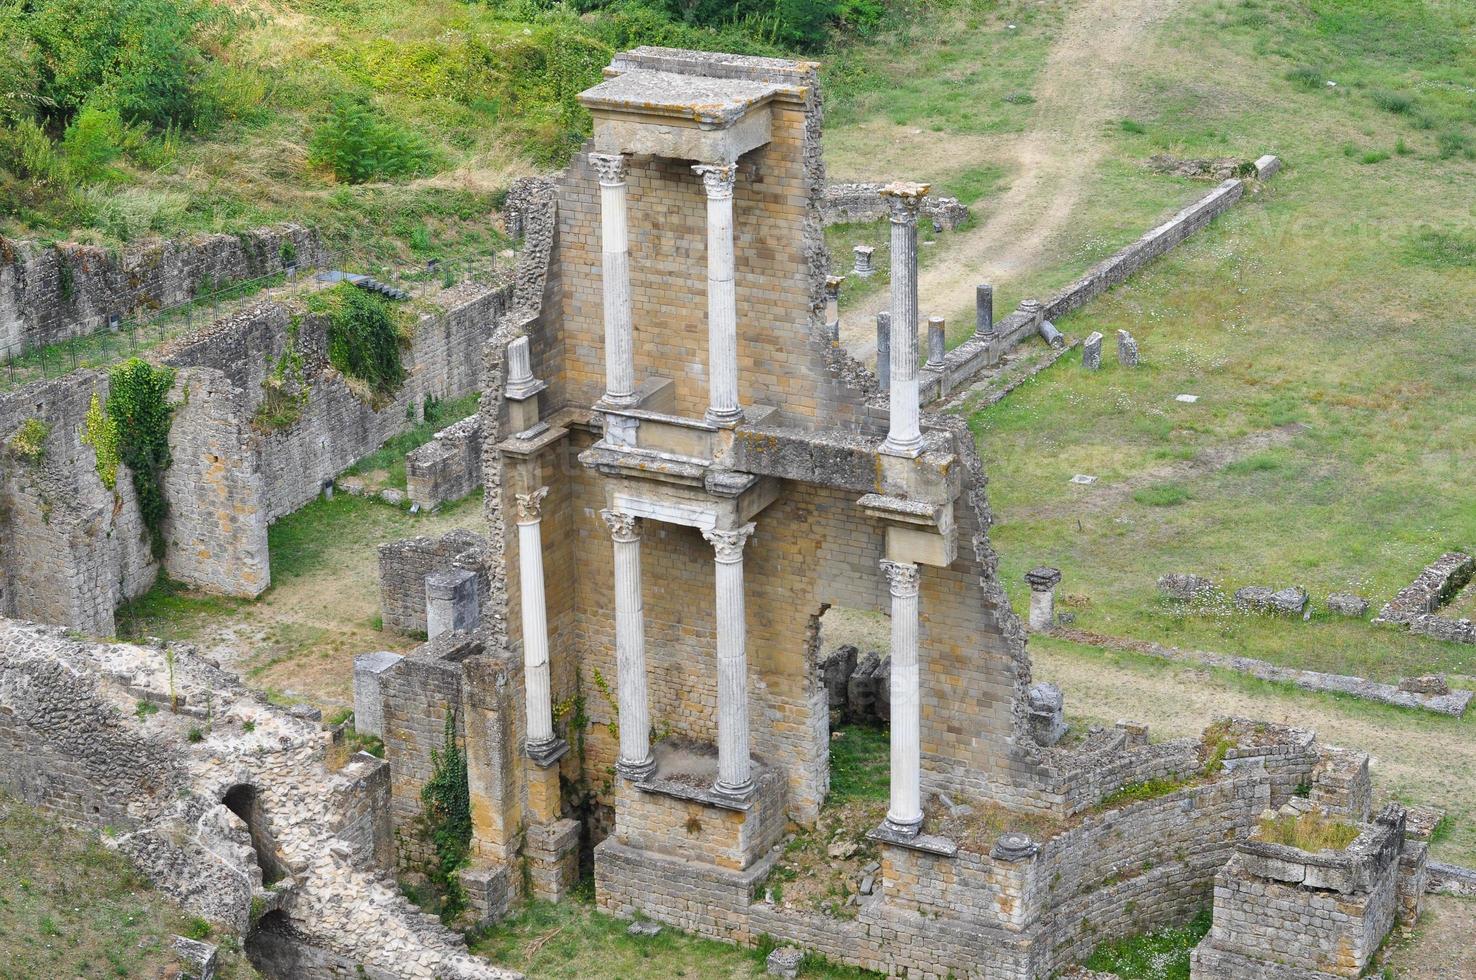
[[448, 467], [50, 293], [1415, 605], [862, 202], [404, 564], [969, 358]]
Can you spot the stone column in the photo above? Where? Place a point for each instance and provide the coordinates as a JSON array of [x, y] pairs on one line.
[[904, 816], [832, 307], [734, 779], [904, 437], [884, 349], [615, 276], [984, 310], [937, 343], [538, 700], [722, 301], [1042, 582], [863, 254], [636, 761]]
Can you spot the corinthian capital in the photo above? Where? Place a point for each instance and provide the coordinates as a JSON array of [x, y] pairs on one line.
[[610, 167], [904, 198], [902, 576], [729, 544], [717, 178], [623, 527], [530, 505]]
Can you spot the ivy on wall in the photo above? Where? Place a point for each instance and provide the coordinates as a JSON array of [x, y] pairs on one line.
[[446, 820], [140, 413], [365, 334], [101, 433]]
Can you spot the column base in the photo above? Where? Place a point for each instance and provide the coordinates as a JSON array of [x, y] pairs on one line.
[[636, 772], [546, 754], [902, 828], [737, 794], [725, 417], [911, 449]]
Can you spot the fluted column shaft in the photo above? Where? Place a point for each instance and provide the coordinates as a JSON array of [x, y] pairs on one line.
[[734, 775], [535, 617], [904, 437], [722, 299], [904, 815], [615, 278], [635, 761]]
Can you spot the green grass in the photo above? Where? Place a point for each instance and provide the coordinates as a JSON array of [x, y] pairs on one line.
[[1307, 831], [313, 539], [1149, 789], [1159, 955], [69, 907], [170, 609], [574, 941], [858, 764], [391, 456]]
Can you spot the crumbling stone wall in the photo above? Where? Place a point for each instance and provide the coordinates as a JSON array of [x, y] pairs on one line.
[[448, 467], [404, 564], [850, 203], [1415, 605], [53, 293]]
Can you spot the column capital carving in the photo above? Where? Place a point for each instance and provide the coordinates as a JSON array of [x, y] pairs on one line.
[[902, 576], [833, 286], [904, 198], [717, 178], [729, 544], [623, 527], [611, 167], [530, 505]]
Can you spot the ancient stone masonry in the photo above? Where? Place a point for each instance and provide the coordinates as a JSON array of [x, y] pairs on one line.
[[862, 202], [76, 550], [56, 292], [404, 565], [448, 467], [245, 826], [1416, 603]]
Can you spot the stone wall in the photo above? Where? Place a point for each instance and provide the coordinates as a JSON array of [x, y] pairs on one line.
[[448, 467], [56, 292], [77, 549], [852, 203], [1436, 585], [404, 564]]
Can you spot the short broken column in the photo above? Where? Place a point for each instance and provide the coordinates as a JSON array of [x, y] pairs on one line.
[[904, 813], [863, 254], [832, 307], [937, 343], [1035, 310], [884, 349], [1127, 349], [451, 602], [1091, 352], [1042, 582], [984, 311], [904, 434]]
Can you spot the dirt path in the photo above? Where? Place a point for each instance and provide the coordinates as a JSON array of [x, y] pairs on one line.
[[1080, 91]]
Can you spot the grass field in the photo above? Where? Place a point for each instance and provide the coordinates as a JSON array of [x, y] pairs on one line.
[[69, 907], [1324, 324]]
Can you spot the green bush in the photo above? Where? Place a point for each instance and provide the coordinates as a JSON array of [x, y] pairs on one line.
[[95, 138], [142, 57], [1396, 102], [363, 336], [357, 145], [139, 408]]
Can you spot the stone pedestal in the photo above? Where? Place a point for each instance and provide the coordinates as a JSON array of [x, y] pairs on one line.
[[863, 268], [552, 850], [451, 602], [489, 892], [1042, 582], [368, 708]]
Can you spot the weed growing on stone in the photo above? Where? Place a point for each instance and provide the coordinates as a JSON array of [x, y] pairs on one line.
[[1306, 831], [1159, 955]]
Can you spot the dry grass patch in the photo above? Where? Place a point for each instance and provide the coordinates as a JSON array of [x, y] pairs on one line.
[[1306, 832]]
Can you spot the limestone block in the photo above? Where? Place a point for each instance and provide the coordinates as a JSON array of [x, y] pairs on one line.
[[1347, 604], [368, 706], [451, 602], [1185, 586], [198, 958]]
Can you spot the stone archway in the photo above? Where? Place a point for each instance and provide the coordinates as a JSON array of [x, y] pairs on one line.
[[243, 800]]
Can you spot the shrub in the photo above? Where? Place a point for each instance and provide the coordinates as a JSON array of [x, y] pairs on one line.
[[363, 336], [137, 404], [357, 145], [94, 139], [29, 440], [1374, 156], [1305, 76], [1396, 102]]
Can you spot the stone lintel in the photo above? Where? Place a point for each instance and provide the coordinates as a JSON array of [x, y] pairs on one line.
[[680, 116], [922, 513], [926, 843], [695, 506]]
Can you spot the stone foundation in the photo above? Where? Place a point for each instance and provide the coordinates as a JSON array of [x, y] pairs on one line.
[[448, 467], [404, 564]]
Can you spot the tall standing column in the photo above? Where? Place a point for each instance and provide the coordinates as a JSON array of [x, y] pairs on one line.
[[535, 621], [722, 300], [734, 777], [904, 437], [635, 761], [615, 276], [904, 816]]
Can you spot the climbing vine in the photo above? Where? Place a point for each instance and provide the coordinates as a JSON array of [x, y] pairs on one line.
[[29, 440], [101, 433], [446, 819], [285, 390], [365, 334], [141, 414]]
